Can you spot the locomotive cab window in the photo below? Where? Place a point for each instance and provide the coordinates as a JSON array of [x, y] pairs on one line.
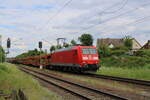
[[92, 51], [89, 51]]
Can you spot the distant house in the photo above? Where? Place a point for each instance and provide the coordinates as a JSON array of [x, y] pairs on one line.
[[147, 45], [111, 43], [136, 45]]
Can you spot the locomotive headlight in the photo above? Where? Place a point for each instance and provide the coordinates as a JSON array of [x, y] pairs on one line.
[[85, 58], [95, 58]]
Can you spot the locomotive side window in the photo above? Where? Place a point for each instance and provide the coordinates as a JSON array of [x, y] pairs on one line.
[[75, 52], [89, 51]]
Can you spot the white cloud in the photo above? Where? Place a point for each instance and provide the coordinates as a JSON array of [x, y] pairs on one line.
[[32, 20]]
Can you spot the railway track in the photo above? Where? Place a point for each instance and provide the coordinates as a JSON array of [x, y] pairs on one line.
[[80, 90], [127, 80], [113, 78]]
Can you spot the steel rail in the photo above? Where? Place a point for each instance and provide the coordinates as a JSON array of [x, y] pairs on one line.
[[47, 81], [128, 80], [79, 85]]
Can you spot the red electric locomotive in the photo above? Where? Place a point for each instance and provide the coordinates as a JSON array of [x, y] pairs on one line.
[[76, 58]]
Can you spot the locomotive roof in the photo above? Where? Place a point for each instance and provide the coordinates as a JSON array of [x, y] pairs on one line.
[[70, 48], [65, 49]]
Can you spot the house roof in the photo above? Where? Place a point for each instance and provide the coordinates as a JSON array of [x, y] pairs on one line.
[[137, 42], [147, 45], [108, 41]]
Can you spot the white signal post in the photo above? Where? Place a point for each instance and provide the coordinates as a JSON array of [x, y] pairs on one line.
[[40, 46], [41, 66]]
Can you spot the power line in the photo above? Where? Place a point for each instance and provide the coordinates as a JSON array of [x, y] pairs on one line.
[[136, 21], [104, 11], [140, 20], [114, 17], [68, 2], [124, 4], [60, 10]]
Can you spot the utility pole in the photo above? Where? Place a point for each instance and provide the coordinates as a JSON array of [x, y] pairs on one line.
[[40, 46]]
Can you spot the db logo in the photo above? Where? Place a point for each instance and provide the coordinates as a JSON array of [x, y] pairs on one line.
[[90, 57]]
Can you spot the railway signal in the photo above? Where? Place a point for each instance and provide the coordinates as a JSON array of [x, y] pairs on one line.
[[8, 44], [40, 44]]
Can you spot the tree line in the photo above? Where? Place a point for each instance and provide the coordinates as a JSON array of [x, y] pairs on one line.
[[86, 40], [2, 54]]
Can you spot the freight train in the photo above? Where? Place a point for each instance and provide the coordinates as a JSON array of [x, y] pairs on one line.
[[75, 58]]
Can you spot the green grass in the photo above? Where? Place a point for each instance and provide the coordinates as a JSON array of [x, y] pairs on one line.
[[12, 78], [136, 73], [126, 61], [126, 66]]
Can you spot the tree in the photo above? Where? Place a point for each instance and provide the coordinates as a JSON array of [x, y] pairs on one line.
[[104, 51], [73, 42], [58, 47], [2, 54], [34, 52], [66, 45], [86, 39], [52, 48], [128, 42]]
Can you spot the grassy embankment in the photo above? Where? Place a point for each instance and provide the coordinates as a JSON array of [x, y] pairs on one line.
[[126, 66], [12, 78]]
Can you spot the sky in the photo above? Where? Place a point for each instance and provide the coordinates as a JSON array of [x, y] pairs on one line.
[[27, 22]]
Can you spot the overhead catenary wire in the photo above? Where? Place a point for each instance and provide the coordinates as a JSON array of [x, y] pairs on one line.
[[115, 17], [124, 3], [104, 11], [143, 19], [107, 20], [53, 16], [140, 20], [61, 9]]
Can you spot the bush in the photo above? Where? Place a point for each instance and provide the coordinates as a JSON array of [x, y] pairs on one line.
[[118, 52], [104, 51], [125, 61], [2, 54], [143, 53], [128, 42], [120, 48]]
